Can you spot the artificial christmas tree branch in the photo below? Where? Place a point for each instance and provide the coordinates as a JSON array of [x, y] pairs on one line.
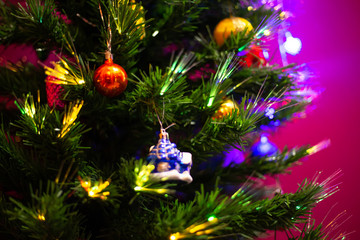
[[94, 161]]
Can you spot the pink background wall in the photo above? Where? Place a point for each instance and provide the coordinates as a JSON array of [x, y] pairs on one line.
[[330, 34]]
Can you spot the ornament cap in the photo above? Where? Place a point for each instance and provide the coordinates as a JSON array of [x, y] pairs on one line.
[[163, 134], [108, 55]]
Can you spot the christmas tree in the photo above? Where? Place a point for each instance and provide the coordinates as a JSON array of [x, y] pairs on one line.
[[151, 122]]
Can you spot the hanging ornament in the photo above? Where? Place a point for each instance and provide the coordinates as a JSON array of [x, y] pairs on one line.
[[110, 79], [54, 93], [230, 25], [170, 164], [225, 109], [253, 58], [264, 148]]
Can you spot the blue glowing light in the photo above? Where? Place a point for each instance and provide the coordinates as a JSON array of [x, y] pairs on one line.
[[266, 54], [292, 45], [269, 112], [234, 157], [264, 148]]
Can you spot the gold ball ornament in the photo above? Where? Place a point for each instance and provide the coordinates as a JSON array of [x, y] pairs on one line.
[[226, 108], [230, 25]]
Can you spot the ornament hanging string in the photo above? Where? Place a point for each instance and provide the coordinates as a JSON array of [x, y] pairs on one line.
[[160, 122], [109, 35]]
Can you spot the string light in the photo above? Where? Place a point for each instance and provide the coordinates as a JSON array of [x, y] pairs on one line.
[[224, 71], [41, 217], [267, 32], [154, 190], [29, 109], [212, 218], [70, 117], [292, 45], [95, 191], [142, 176], [267, 26], [181, 65], [63, 74], [199, 229], [318, 147]]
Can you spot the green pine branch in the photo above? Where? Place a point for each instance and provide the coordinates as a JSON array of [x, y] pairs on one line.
[[176, 16], [46, 145], [38, 17], [212, 214], [18, 79], [216, 134], [48, 216], [264, 79], [122, 31], [277, 164]]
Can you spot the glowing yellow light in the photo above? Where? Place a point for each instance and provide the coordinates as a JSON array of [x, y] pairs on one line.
[[63, 74], [28, 108], [96, 190], [267, 32], [199, 229], [155, 190], [70, 117], [250, 8], [143, 176], [41, 217], [283, 15], [212, 218], [318, 147]]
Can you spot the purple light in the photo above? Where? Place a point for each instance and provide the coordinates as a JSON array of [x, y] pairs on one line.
[[292, 45], [233, 157]]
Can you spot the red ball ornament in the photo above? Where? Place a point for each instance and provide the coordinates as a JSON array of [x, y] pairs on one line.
[[110, 79], [253, 58]]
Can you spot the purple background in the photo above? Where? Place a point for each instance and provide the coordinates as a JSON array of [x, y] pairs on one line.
[[329, 31]]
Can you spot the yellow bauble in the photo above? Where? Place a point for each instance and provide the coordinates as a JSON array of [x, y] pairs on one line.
[[226, 108], [230, 25]]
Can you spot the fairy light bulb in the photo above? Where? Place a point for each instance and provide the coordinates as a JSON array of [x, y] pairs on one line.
[[267, 32], [41, 217], [264, 148], [212, 218], [292, 45]]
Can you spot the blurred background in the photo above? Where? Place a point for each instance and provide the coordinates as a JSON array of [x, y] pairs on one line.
[[330, 32]]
